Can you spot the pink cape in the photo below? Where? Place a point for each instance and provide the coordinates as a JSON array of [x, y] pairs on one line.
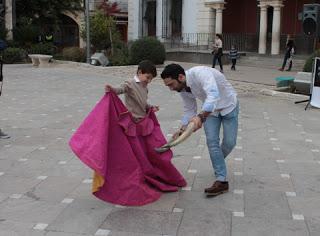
[[121, 152]]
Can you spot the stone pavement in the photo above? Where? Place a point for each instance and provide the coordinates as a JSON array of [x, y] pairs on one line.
[[274, 171]]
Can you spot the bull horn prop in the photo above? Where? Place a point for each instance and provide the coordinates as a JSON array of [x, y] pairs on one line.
[[174, 142]]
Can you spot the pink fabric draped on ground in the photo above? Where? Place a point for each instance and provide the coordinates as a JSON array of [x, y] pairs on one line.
[[121, 152]]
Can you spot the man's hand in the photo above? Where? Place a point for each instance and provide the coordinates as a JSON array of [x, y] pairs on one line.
[[108, 88], [197, 121]]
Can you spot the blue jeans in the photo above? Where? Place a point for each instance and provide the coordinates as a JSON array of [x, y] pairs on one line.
[[218, 152]]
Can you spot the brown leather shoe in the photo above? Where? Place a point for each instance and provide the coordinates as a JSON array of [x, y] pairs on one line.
[[217, 188]]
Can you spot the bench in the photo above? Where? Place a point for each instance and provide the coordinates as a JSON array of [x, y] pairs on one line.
[[40, 60]]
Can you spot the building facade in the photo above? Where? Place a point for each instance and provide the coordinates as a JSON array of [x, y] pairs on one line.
[[69, 33], [261, 26]]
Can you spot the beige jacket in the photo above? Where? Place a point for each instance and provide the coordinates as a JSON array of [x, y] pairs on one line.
[[135, 97]]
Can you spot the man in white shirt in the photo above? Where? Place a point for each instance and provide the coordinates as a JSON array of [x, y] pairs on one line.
[[220, 106]]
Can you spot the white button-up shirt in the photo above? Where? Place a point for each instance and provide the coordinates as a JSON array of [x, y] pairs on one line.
[[211, 87]]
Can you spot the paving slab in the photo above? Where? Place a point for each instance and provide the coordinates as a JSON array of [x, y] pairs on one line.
[[273, 171]]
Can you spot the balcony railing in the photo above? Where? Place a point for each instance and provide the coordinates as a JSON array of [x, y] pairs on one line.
[[205, 41], [243, 42]]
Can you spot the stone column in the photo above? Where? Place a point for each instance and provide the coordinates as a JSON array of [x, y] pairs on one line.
[[275, 46], [218, 6], [263, 30], [159, 19], [219, 21], [9, 18]]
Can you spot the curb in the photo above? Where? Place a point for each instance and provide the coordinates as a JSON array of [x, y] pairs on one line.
[[272, 93]]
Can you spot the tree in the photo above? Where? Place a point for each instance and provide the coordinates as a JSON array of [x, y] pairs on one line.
[[103, 31], [43, 12]]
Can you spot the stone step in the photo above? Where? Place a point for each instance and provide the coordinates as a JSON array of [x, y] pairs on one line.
[[269, 62]]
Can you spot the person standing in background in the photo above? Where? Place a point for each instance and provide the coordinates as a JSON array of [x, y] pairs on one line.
[[217, 52]]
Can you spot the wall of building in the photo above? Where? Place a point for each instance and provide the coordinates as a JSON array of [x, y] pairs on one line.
[[133, 19], [241, 16], [189, 14], [291, 24], [205, 18]]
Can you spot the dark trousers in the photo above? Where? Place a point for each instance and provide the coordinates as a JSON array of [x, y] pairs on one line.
[[234, 62], [217, 57], [286, 57]]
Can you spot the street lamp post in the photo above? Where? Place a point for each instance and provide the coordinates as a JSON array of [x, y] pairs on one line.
[[87, 13]]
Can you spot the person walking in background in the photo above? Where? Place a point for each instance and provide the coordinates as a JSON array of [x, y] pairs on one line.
[[217, 52], [3, 46], [290, 51], [233, 56]]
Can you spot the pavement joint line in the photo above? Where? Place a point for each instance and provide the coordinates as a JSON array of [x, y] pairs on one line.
[[188, 188], [177, 210], [193, 171], [67, 200], [40, 226], [87, 181], [238, 191], [15, 196], [102, 232], [42, 177], [238, 173], [297, 217], [238, 213], [291, 194], [285, 176]]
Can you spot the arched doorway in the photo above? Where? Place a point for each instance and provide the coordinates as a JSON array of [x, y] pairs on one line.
[[67, 33]]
